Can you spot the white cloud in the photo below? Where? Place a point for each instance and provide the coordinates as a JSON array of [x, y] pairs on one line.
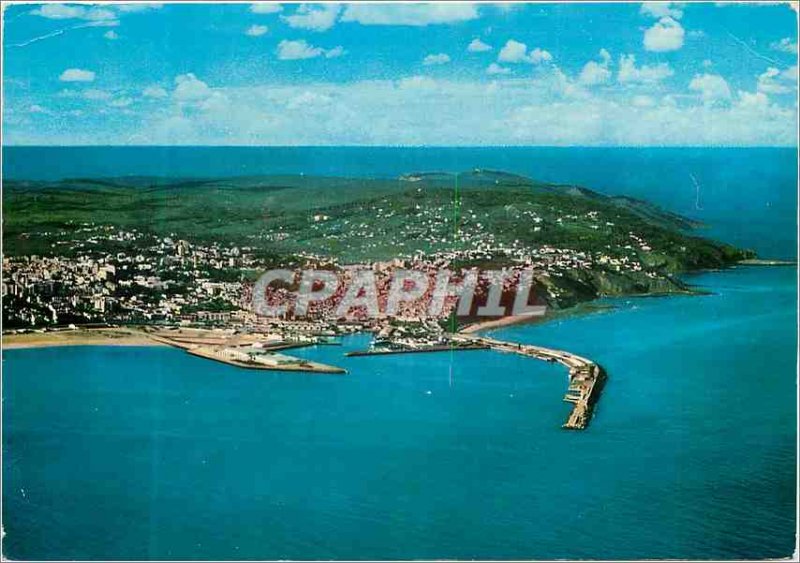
[[60, 11], [506, 7], [106, 15], [100, 15], [308, 100], [513, 52], [646, 74], [120, 102], [436, 59], [662, 9], [641, 101], [417, 83], [516, 52], [154, 91], [773, 81], [531, 110], [293, 50], [495, 68], [265, 8], [595, 72], [409, 14], [319, 17], [77, 75], [540, 56], [95, 94], [335, 52], [217, 102], [36, 108], [138, 7], [300, 49], [785, 45], [188, 88], [665, 35], [752, 4], [96, 15], [256, 30], [478, 46], [712, 87], [753, 99]]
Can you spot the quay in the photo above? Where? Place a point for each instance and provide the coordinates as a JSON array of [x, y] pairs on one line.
[[438, 348], [245, 354], [277, 362], [586, 378]]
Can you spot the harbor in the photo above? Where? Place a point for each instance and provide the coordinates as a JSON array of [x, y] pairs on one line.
[[586, 378]]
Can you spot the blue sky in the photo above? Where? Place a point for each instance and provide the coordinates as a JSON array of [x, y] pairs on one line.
[[400, 74]]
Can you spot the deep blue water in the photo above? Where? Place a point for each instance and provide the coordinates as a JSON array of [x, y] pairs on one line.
[[747, 196], [129, 453], [151, 453]]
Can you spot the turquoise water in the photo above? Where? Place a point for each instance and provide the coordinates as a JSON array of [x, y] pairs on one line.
[[129, 453], [746, 196]]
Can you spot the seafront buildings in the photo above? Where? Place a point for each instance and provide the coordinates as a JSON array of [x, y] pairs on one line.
[[112, 275]]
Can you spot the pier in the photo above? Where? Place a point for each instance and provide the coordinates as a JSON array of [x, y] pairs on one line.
[[257, 360], [245, 351], [586, 378]]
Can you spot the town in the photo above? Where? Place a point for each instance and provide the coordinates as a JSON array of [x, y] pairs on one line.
[[171, 281]]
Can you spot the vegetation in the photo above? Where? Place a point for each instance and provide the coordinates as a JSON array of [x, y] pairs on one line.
[[355, 219]]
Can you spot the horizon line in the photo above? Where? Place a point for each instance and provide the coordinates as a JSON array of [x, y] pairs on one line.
[[421, 146]]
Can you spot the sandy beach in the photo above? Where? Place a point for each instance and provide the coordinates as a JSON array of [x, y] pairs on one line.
[[501, 322], [79, 337]]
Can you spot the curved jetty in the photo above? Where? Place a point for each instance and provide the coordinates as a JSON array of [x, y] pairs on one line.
[[586, 378]]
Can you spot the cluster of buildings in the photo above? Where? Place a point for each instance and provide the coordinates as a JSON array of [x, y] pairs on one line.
[[111, 275], [102, 274]]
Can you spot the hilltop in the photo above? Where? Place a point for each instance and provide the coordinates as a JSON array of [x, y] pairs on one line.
[[586, 243]]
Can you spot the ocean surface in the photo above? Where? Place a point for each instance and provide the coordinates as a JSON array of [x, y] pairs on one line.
[[114, 453], [149, 453], [746, 196]]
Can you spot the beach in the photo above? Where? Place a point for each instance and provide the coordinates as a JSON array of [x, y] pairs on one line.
[[78, 337], [502, 322]]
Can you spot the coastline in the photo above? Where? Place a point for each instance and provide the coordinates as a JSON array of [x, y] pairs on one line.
[[502, 322], [79, 337], [766, 262]]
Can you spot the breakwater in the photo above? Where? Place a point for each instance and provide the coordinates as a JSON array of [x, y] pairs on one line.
[[586, 378]]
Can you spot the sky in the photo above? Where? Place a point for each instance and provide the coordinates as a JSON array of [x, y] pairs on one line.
[[625, 74]]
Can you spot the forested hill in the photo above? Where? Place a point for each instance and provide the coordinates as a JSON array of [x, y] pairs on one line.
[[356, 220]]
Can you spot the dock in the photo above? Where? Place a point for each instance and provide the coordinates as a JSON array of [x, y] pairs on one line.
[[246, 353], [271, 362], [586, 378], [438, 348]]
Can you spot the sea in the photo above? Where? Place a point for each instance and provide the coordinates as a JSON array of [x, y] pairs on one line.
[[149, 453]]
